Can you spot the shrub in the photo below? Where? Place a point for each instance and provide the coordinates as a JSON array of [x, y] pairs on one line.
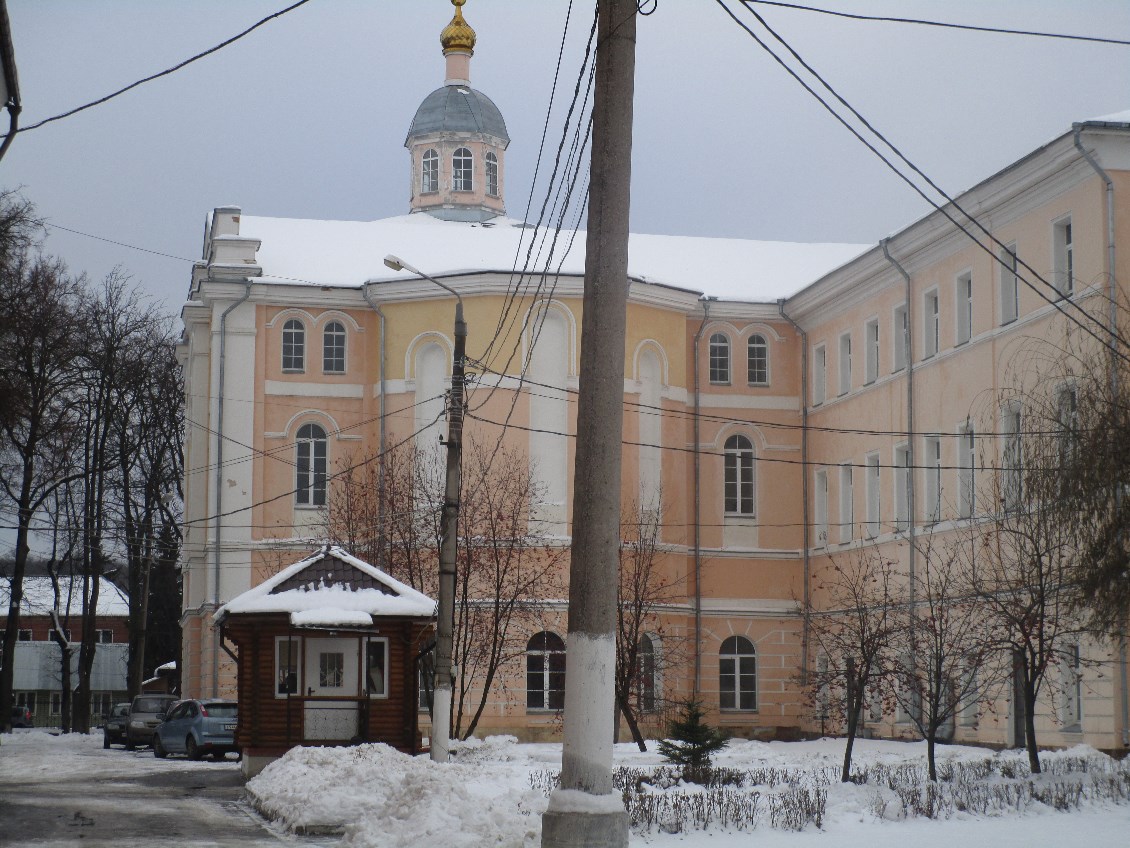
[[692, 742]]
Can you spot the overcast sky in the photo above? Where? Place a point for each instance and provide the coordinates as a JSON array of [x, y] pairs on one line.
[[306, 117]]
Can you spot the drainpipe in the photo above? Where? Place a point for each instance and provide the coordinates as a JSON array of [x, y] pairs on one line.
[[705, 301], [912, 482], [381, 432], [803, 485], [1113, 319], [220, 481]]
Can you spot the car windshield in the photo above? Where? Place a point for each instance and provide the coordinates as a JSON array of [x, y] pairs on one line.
[[221, 710], [151, 705]]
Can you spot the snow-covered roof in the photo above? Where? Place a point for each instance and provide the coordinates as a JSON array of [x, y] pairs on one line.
[[349, 253], [315, 600], [39, 596], [1122, 117]]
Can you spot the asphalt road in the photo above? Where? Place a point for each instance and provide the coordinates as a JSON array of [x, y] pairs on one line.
[[124, 798]]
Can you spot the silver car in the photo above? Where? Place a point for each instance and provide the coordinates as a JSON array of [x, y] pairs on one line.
[[196, 728]]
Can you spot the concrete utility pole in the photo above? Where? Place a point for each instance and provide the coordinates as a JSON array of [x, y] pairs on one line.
[[449, 527], [584, 810]]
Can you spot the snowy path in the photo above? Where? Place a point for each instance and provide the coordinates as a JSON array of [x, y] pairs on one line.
[[67, 791]]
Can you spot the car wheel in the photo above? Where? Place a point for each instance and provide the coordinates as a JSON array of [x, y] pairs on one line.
[[105, 741], [158, 749], [192, 749], [130, 744]]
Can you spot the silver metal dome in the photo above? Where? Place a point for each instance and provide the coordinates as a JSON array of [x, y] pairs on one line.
[[458, 108]]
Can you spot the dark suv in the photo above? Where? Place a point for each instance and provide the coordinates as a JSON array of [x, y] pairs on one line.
[[21, 717], [145, 713], [114, 728]]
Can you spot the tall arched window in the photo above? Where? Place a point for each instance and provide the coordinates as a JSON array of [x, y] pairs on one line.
[[739, 476], [545, 672], [333, 348], [719, 358], [461, 170], [757, 360], [646, 683], [310, 466], [737, 674], [293, 346], [492, 175], [429, 172]]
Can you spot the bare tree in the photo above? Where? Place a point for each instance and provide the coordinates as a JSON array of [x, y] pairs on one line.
[[944, 661], [853, 630], [503, 566], [38, 379], [149, 463], [1020, 559], [645, 646]]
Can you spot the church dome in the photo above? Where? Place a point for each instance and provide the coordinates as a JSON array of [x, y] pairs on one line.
[[458, 108]]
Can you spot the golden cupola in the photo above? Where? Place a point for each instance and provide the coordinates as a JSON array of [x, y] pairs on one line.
[[458, 34], [458, 139]]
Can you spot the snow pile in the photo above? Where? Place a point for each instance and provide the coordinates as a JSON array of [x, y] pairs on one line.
[[388, 799], [781, 791]]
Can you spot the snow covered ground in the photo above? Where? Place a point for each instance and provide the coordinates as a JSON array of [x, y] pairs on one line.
[[487, 797]]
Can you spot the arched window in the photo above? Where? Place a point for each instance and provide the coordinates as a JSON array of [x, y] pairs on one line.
[[461, 170], [737, 674], [545, 672], [310, 465], [333, 348], [719, 358], [294, 346], [645, 680], [739, 476], [757, 360], [492, 175], [429, 172]]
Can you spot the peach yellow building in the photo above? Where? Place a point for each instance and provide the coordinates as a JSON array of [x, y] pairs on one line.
[[784, 403]]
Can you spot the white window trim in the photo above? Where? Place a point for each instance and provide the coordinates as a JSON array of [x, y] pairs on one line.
[[710, 343], [1008, 266], [305, 347], [820, 507], [344, 347], [900, 350], [966, 470], [963, 309], [1063, 256], [931, 335], [874, 495], [847, 503], [768, 363], [871, 345], [819, 374], [932, 478], [902, 483], [843, 364]]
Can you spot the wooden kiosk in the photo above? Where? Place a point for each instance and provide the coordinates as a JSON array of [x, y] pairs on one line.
[[327, 653]]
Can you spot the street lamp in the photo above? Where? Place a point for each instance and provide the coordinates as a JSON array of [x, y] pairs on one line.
[[441, 698]]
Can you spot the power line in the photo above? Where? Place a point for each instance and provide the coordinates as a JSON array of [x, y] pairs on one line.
[[166, 72], [1055, 303], [834, 463], [118, 243], [856, 16], [781, 425]]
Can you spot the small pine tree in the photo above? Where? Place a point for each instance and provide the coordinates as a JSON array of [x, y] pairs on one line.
[[692, 741]]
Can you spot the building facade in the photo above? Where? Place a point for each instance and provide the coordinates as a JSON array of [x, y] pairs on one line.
[[785, 404], [38, 681]]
